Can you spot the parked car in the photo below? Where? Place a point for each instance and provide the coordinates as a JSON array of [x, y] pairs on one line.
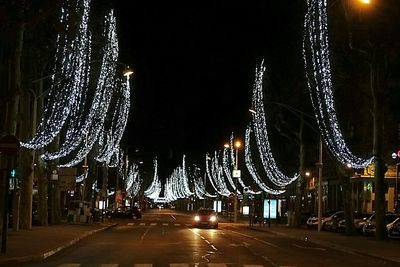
[[205, 217], [312, 221], [359, 218], [329, 222], [393, 229], [370, 226], [125, 213]]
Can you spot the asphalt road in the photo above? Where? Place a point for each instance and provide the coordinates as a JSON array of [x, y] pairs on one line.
[[165, 238]]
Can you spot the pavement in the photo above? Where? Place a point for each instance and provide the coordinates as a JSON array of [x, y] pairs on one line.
[[42, 242]]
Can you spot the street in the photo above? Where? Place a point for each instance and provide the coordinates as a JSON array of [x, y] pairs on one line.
[[166, 238]]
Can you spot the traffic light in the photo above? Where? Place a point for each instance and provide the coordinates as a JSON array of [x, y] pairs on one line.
[[13, 173]]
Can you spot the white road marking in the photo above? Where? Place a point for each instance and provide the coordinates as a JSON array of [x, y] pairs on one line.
[[69, 265]]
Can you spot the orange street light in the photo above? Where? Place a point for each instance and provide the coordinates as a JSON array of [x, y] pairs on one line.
[[366, 2]]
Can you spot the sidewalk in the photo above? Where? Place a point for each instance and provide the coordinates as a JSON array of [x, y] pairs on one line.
[[42, 242], [362, 245]]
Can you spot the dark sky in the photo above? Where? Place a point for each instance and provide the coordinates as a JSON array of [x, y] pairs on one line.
[[194, 69]]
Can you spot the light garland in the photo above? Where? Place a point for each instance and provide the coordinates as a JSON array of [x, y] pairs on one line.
[[318, 72], [200, 191], [261, 134], [154, 190], [134, 181], [92, 124], [69, 80], [177, 184], [252, 169], [82, 177], [119, 122], [215, 175]]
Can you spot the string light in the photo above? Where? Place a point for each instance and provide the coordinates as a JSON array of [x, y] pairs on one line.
[[199, 187], [154, 190], [134, 182], [214, 173], [318, 72], [92, 124], [252, 169], [261, 134], [69, 79], [177, 184]]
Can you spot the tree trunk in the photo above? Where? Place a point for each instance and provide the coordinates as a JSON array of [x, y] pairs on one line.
[[378, 88], [344, 177]]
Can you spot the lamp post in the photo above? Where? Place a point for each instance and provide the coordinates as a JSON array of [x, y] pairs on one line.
[[236, 176], [396, 192]]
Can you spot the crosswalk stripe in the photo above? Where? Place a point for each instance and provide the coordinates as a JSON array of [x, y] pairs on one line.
[[165, 224], [153, 224], [131, 224], [177, 224], [151, 265], [142, 224]]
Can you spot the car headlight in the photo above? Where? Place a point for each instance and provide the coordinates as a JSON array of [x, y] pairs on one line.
[[213, 218], [196, 218]]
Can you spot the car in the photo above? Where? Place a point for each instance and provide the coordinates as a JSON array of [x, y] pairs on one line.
[[331, 223], [370, 227], [205, 218], [125, 213], [312, 221], [393, 229], [359, 219]]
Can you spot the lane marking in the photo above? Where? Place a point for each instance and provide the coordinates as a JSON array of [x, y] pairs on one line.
[[143, 265], [179, 265], [312, 248], [145, 233], [109, 265], [69, 265]]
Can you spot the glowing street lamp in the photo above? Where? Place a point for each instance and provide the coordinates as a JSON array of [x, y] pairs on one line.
[[127, 71], [366, 2]]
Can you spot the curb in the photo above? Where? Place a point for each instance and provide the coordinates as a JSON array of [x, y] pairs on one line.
[[45, 255]]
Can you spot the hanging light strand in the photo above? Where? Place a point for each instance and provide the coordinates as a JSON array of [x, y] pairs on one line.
[[318, 72], [252, 169], [69, 79], [92, 124], [261, 134]]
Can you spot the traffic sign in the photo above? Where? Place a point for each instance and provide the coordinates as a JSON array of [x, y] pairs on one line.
[[9, 145]]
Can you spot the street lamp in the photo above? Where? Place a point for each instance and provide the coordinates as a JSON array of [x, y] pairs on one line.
[[127, 71], [236, 176]]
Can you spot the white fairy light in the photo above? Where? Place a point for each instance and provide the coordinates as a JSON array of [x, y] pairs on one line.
[[199, 187], [69, 79], [228, 170], [177, 184], [252, 169], [215, 175], [134, 182], [119, 122], [82, 177], [318, 72], [261, 134], [153, 191], [92, 123]]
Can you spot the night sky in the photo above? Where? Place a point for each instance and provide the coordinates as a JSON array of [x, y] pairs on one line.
[[194, 70]]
